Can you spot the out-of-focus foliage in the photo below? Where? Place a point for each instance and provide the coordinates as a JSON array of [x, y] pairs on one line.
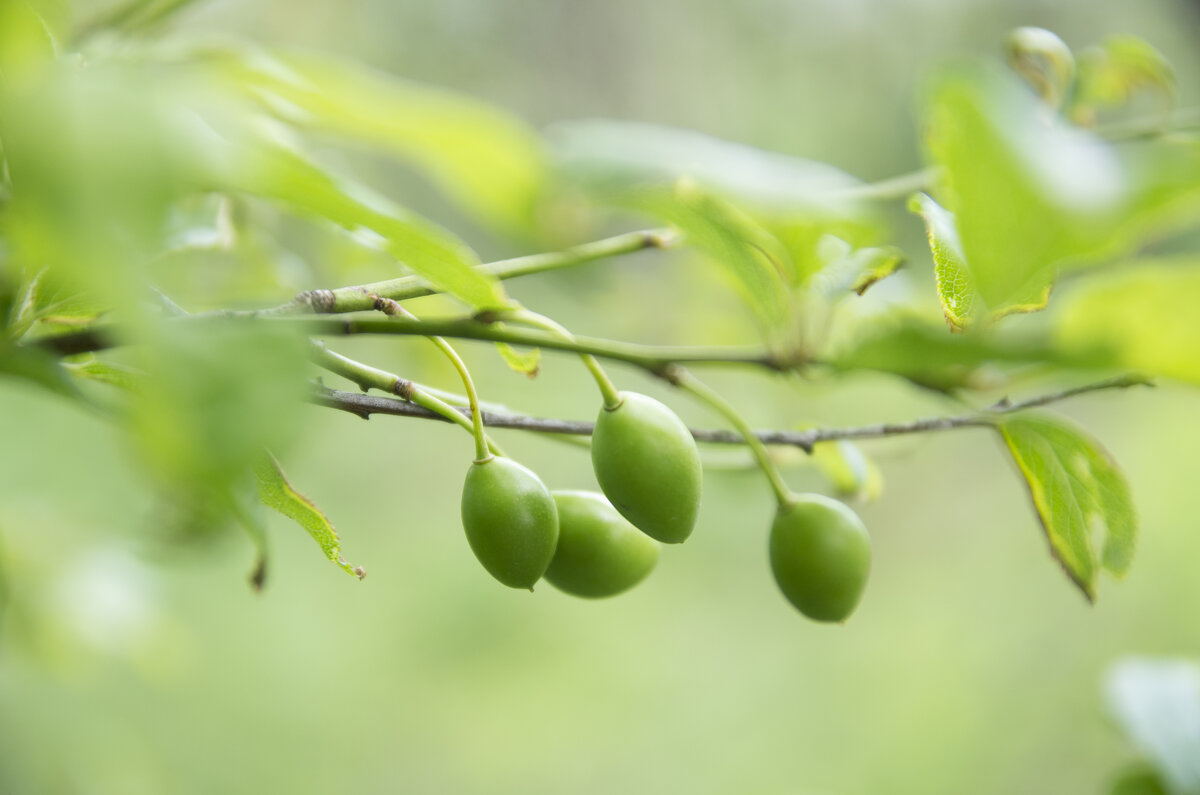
[[1157, 705], [146, 177]]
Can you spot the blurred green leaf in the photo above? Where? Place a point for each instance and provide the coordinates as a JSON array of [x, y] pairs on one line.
[[121, 376], [1138, 779], [849, 270], [216, 393], [1157, 703], [39, 367], [1111, 74], [276, 492], [1044, 61], [527, 363], [263, 167], [752, 257], [1027, 192], [96, 157], [1142, 317], [850, 471], [620, 152], [874, 265], [488, 161], [798, 201], [927, 355], [1080, 496], [27, 40]]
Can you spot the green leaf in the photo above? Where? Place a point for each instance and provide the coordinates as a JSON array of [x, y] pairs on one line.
[[276, 492], [1044, 61], [1138, 779], [797, 200], [1028, 192], [487, 160], [38, 367], [1080, 496], [756, 262], [849, 270], [874, 265], [952, 277], [215, 393], [850, 471], [121, 376], [266, 168], [625, 152], [1111, 74], [1142, 317], [26, 40], [1157, 703], [927, 355], [527, 363]]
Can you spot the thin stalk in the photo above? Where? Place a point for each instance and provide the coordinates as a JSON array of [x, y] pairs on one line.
[[607, 389], [393, 308], [481, 445], [688, 382], [368, 377], [361, 297]]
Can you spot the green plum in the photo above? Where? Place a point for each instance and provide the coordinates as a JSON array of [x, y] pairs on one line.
[[647, 464], [820, 555], [599, 552], [510, 520]]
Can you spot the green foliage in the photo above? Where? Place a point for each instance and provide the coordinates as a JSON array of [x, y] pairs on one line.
[[1142, 318], [130, 166], [486, 160], [1157, 705], [1080, 496], [274, 491]]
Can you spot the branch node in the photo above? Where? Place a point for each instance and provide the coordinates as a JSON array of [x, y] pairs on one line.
[[321, 302]]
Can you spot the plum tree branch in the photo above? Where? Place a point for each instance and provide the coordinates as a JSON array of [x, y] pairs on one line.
[[362, 297], [654, 358], [365, 405]]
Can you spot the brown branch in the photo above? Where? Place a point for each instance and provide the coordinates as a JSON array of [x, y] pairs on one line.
[[365, 405]]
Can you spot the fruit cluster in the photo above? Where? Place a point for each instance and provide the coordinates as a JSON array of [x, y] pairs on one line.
[[647, 464]]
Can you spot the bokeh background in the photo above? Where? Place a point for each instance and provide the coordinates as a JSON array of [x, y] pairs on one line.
[[131, 666]]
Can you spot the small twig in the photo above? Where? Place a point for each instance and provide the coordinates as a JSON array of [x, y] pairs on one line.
[[366, 405], [361, 297]]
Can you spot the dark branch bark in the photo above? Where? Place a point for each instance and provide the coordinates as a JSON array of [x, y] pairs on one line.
[[365, 405]]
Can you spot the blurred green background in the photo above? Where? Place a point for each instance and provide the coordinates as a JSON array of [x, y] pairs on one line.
[[131, 666]]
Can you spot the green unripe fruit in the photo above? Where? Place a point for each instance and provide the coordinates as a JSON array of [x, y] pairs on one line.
[[820, 555], [511, 521], [647, 464], [599, 553]]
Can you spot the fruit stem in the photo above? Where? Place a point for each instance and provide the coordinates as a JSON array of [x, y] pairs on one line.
[[688, 382], [394, 309], [611, 398], [481, 445], [368, 377]]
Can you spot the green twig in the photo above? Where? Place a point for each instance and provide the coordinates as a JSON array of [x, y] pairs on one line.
[[361, 297], [368, 377], [689, 383]]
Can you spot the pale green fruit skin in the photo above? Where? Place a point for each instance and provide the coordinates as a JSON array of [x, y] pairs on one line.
[[599, 553], [647, 464], [510, 520], [821, 556]]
